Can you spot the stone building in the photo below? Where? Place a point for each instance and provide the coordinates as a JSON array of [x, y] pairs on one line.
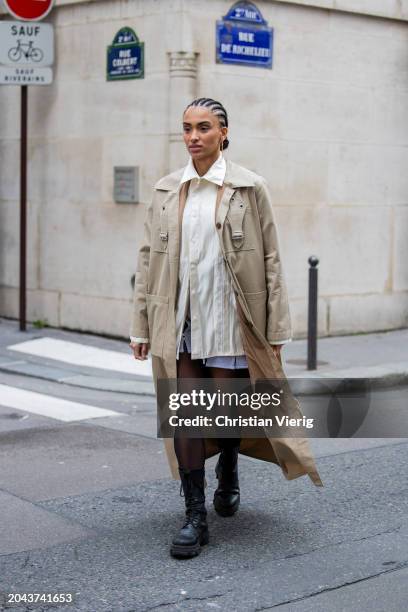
[[327, 126]]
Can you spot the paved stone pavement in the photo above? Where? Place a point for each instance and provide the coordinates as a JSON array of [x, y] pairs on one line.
[[88, 507]]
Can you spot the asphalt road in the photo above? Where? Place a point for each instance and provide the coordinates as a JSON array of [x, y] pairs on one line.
[[88, 508]]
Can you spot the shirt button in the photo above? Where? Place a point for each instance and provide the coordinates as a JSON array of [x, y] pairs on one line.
[[218, 225]]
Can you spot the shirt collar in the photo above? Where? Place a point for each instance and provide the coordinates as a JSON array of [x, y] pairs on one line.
[[215, 174]]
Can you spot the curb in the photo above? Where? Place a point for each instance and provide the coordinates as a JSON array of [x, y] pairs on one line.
[[350, 380]]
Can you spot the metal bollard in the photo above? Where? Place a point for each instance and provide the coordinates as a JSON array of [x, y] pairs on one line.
[[312, 315]]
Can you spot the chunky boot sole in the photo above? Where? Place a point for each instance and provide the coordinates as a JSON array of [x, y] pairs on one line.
[[225, 510], [187, 551]]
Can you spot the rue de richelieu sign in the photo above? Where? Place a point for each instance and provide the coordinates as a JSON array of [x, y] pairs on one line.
[[243, 37]]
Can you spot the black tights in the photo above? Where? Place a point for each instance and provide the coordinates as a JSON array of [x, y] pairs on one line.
[[190, 452]]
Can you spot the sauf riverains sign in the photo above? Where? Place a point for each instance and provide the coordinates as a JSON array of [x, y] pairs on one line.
[[243, 37], [26, 45], [26, 53], [26, 56]]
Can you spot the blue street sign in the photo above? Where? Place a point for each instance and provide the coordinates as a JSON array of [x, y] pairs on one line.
[[125, 56], [243, 37]]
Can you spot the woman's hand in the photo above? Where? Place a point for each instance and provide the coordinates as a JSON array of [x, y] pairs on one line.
[[140, 350]]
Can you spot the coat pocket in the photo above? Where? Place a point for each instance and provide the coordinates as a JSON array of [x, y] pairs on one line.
[[157, 309], [256, 302], [239, 226]]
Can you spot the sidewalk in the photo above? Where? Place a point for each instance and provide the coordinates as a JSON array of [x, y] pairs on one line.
[[95, 362]]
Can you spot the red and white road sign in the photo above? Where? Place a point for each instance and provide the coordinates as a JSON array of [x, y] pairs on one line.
[[29, 10]]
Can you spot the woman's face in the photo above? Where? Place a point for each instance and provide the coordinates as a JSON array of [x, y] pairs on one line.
[[202, 132]]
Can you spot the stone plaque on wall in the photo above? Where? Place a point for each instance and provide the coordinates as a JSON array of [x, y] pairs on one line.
[[126, 184]]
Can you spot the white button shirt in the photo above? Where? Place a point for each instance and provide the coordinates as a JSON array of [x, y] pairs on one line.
[[203, 276], [202, 272]]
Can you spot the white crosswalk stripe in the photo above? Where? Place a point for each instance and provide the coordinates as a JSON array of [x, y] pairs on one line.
[[50, 406], [84, 355]]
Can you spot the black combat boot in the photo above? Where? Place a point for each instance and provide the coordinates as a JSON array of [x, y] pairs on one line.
[[227, 496], [194, 533]]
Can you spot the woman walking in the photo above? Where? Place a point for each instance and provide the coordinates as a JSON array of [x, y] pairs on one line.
[[210, 301]]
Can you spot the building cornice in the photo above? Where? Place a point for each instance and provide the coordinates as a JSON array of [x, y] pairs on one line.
[[387, 9]]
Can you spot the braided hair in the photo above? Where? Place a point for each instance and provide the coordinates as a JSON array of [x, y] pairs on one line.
[[216, 108]]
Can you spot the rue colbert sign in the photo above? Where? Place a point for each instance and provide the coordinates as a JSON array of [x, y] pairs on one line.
[[125, 56], [29, 10]]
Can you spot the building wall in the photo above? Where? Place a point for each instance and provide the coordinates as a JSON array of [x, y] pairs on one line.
[[327, 127]]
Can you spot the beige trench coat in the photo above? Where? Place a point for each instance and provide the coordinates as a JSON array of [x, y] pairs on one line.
[[244, 221]]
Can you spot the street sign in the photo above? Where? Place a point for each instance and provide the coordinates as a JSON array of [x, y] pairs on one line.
[[26, 52], [29, 10], [14, 75], [243, 37], [26, 44], [125, 56]]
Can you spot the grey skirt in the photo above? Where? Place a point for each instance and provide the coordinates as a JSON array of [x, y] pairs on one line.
[[230, 362]]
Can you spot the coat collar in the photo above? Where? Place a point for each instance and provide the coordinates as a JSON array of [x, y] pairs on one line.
[[235, 176]]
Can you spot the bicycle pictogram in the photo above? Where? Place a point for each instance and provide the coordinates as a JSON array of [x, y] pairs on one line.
[[33, 53]]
